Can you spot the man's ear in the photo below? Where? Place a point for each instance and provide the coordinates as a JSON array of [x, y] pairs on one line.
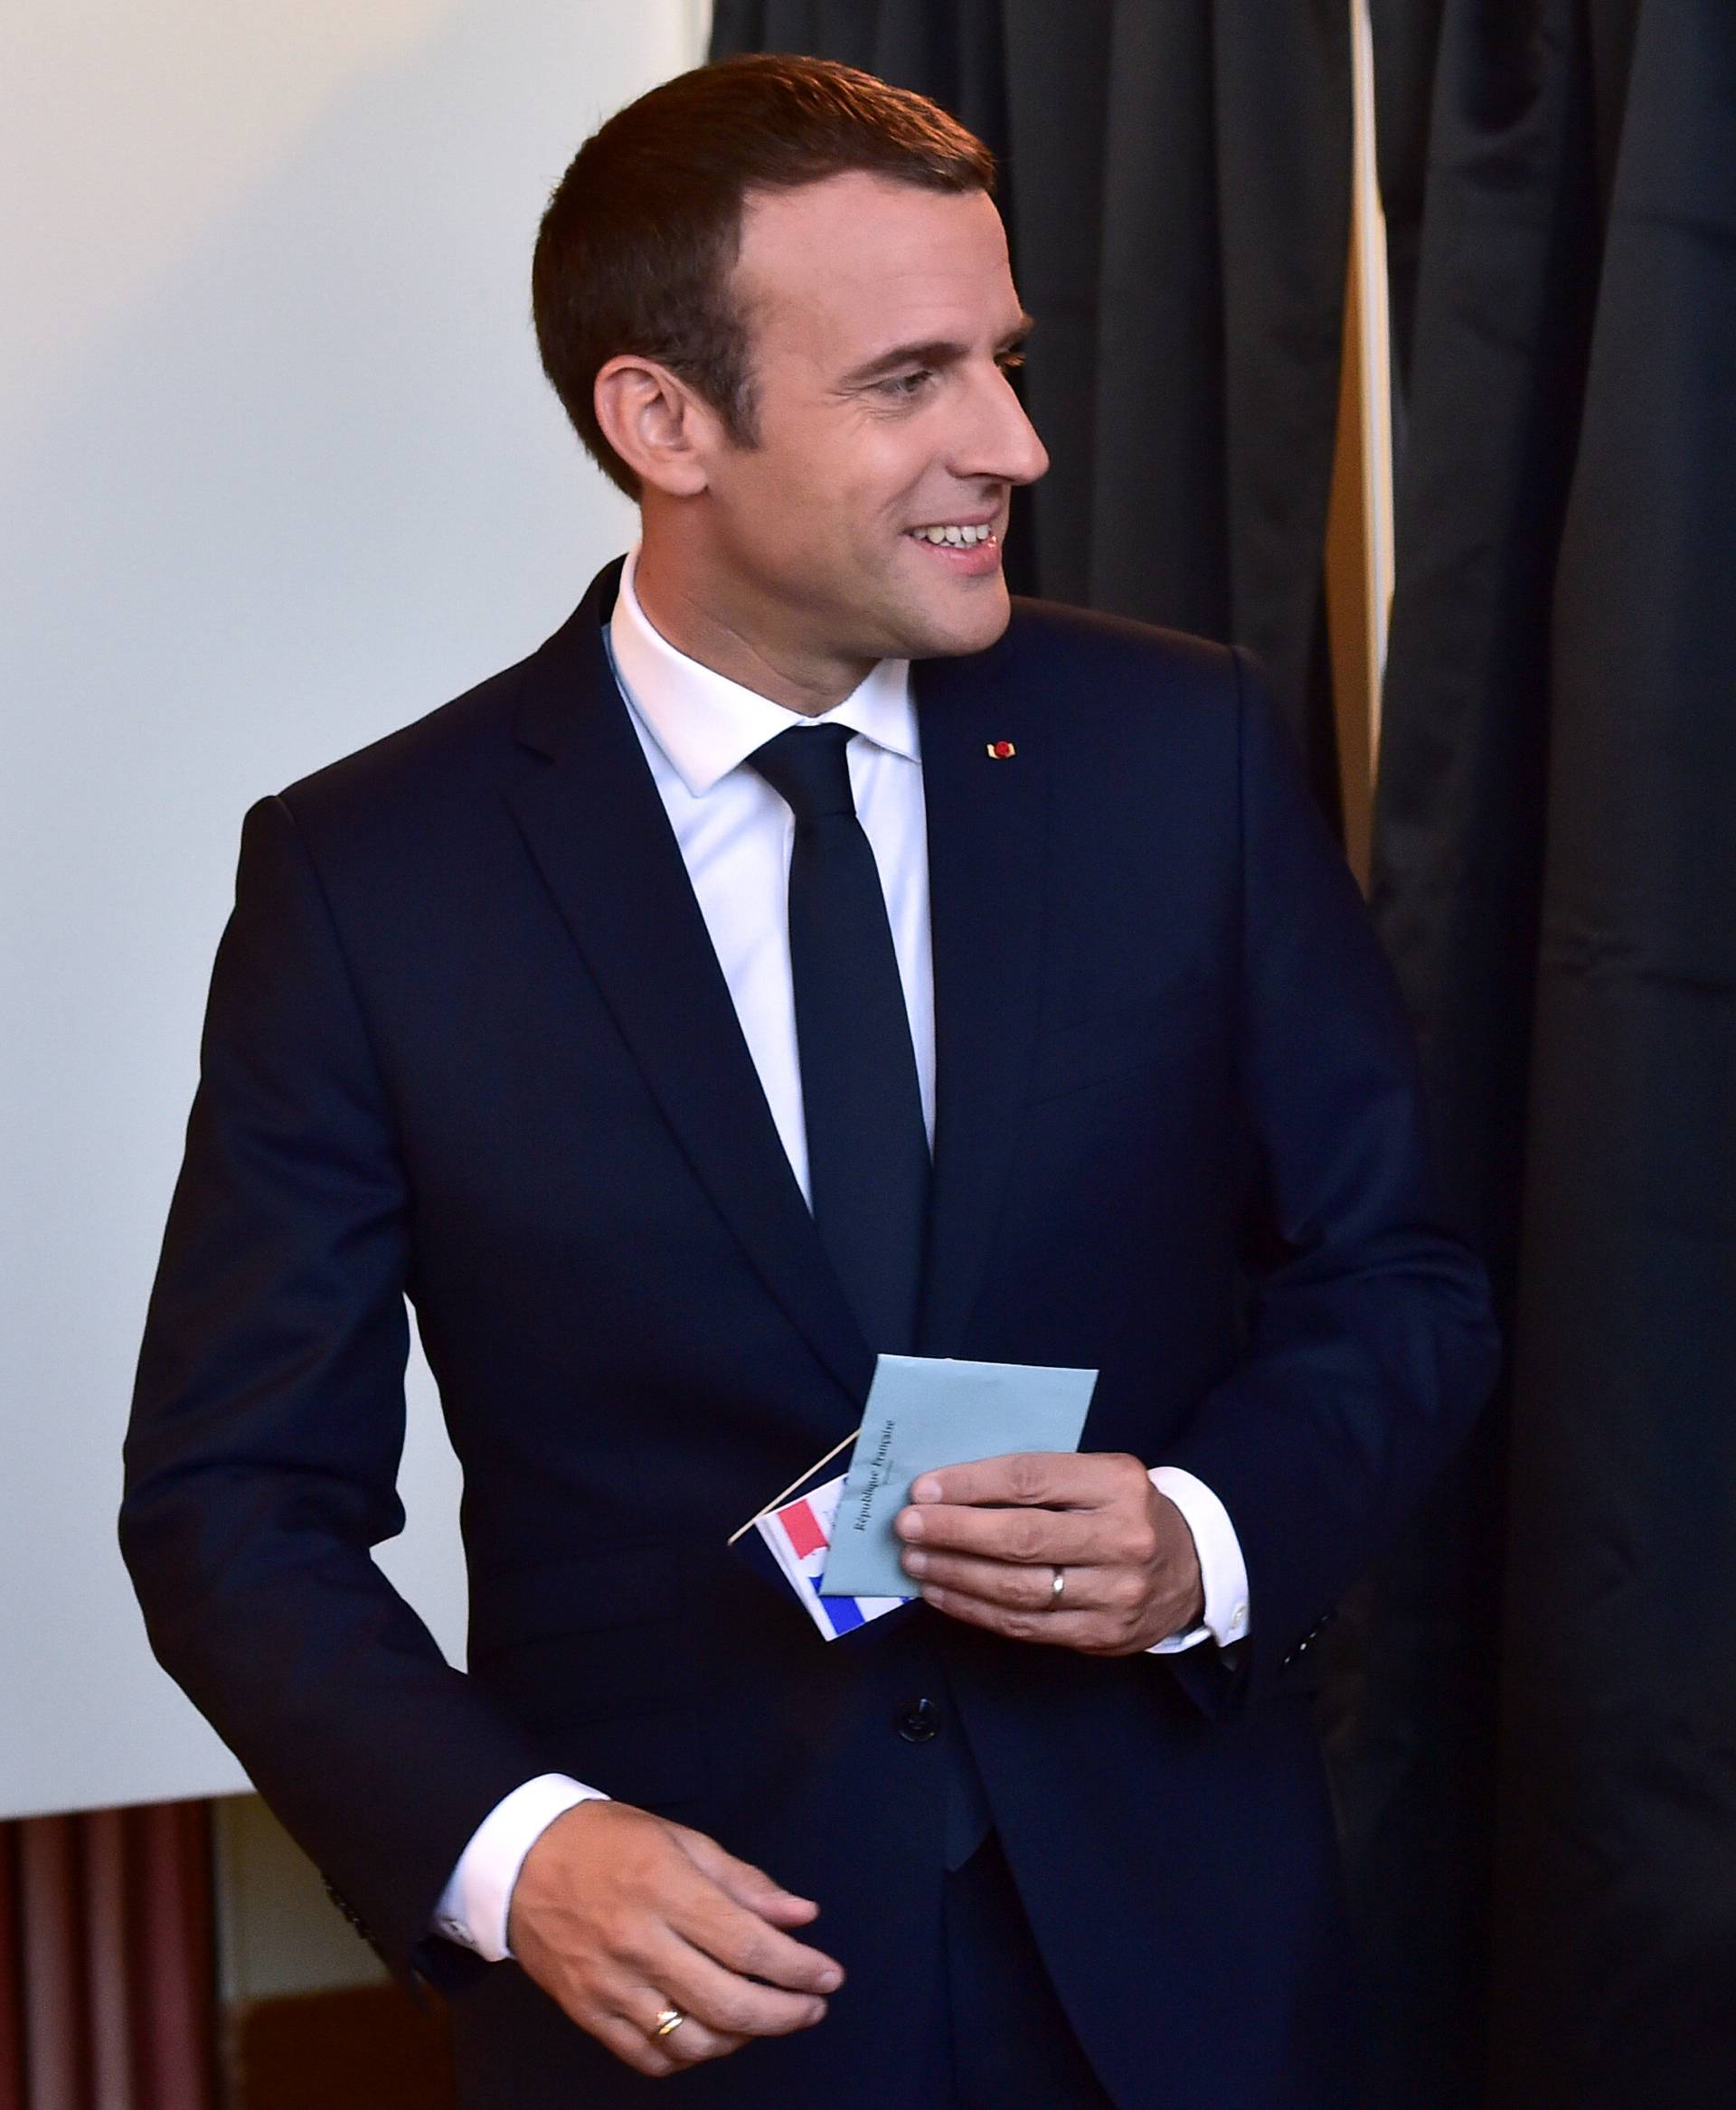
[[655, 422]]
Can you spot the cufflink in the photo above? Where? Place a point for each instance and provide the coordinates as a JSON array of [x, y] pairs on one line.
[[1001, 750]]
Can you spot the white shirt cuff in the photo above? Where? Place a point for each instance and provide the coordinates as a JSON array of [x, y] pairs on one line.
[[473, 1908], [1223, 1570]]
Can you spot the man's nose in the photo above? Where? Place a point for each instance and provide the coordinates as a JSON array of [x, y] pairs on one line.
[[1002, 443]]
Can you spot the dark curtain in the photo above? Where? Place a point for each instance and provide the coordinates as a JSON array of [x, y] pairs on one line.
[[1535, 1745], [1176, 186], [1540, 1793], [1407, 35]]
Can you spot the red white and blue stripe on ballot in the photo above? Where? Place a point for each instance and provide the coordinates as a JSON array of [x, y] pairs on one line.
[[798, 1534]]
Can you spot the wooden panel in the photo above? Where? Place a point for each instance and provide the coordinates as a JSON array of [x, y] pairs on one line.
[[1347, 603], [361, 2048], [1359, 521]]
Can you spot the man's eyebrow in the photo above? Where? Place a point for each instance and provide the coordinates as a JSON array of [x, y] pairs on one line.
[[933, 351]]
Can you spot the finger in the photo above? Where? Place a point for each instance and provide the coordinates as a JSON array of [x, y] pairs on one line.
[[791, 1911], [1055, 1479], [726, 2003], [1017, 1586], [742, 1881], [690, 2043], [635, 2045], [743, 1943], [1062, 1538], [691, 2040], [1092, 1632]]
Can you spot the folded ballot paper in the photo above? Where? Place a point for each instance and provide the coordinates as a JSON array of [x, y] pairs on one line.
[[832, 1540]]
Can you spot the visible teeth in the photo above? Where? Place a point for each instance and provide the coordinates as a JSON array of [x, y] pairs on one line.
[[961, 538]]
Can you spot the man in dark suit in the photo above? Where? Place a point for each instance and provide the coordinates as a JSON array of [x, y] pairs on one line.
[[805, 955]]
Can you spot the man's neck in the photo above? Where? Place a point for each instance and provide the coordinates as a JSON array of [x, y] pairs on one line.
[[706, 628]]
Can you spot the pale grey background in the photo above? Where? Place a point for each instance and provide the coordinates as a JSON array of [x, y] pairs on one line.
[[277, 473]]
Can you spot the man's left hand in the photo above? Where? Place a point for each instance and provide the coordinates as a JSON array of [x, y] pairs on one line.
[[986, 1540]]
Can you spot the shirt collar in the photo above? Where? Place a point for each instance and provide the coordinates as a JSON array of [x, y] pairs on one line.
[[708, 725]]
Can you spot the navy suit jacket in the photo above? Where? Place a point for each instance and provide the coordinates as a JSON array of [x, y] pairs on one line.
[[467, 1041]]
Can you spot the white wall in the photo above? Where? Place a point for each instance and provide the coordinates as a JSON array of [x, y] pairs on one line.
[[278, 472]]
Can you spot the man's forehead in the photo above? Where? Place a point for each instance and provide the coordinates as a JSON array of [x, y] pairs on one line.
[[857, 254]]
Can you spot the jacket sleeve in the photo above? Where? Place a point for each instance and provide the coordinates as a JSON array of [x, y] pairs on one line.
[[268, 1422], [1371, 1344]]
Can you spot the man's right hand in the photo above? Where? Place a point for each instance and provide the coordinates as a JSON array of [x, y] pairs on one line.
[[617, 1914]]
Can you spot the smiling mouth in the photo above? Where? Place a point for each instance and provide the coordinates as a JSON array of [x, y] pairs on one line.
[[955, 534]]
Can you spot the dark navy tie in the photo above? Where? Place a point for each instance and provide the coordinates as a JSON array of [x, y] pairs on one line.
[[867, 1148]]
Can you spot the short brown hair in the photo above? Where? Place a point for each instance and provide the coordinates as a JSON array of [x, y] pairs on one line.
[[639, 241]]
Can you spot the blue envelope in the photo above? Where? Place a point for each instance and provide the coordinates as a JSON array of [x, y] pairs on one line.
[[922, 1413]]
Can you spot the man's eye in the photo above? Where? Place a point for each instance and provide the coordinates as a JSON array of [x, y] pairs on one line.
[[1010, 362], [908, 384]]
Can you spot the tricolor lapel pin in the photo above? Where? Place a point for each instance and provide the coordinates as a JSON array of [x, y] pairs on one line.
[[1001, 750]]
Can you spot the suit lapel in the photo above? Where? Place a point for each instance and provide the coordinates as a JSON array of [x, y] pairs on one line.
[[987, 818], [591, 813]]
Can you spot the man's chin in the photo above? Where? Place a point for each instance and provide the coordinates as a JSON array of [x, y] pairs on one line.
[[970, 623]]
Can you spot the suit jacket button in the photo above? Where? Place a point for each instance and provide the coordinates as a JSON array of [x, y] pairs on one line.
[[918, 1721]]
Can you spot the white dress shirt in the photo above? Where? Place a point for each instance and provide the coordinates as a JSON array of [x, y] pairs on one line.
[[697, 729]]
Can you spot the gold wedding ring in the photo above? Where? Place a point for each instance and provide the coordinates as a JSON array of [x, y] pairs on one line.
[[668, 2019]]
